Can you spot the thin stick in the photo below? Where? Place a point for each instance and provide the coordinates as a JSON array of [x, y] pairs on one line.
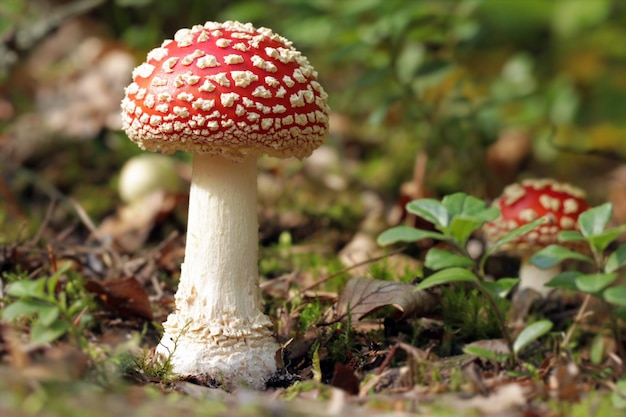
[[44, 224], [348, 268], [579, 316], [496, 311], [84, 217], [387, 360]]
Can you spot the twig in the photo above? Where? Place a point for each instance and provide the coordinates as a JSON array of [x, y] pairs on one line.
[[579, 316], [44, 223], [348, 268], [617, 334], [496, 311], [371, 383], [387, 359], [84, 217], [56, 195]]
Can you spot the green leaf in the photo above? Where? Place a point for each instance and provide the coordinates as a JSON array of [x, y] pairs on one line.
[[620, 313], [570, 236], [462, 227], [502, 287], [565, 280], [406, 234], [555, 254], [23, 308], [54, 280], [62, 300], [27, 289], [593, 221], [439, 259], [489, 214], [463, 204], [48, 315], [454, 203], [482, 353], [316, 365], [431, 210], [77, 307], [618, 397], [601, 241], [531, 333], [41, 334], [446, 276], [512, 235], [596, 352], [616, 295], [617, 259], [594, 283]]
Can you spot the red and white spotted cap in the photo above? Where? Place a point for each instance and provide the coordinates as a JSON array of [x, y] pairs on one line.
[[524, 202], [226, 89]]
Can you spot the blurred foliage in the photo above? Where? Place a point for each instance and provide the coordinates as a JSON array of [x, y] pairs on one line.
[[445, 76]]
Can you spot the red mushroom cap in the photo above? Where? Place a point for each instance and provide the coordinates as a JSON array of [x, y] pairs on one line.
[[227, 89], [529, 200]]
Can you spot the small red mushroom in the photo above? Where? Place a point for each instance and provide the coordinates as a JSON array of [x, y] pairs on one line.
[[227, 92], [524, 202]]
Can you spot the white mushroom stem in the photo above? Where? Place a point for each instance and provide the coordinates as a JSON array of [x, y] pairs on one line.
[[218, 328], [536, 278]]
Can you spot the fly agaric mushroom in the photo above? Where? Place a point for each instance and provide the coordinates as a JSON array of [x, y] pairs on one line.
[[524, 202], [227, 92]]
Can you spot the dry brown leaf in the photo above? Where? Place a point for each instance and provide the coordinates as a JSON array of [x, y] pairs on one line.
[[345, 379], [564, 384], [124, 296], [364, 296]]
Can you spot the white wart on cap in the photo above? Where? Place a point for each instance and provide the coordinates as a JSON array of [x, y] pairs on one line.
[[226, 89]]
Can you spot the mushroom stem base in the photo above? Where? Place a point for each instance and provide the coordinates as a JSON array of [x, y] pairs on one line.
[[239, 354]]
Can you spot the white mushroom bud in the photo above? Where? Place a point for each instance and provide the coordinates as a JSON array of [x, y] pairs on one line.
[[146, 173]]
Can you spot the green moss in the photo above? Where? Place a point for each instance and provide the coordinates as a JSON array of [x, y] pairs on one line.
[[467, 317], [310, 314]]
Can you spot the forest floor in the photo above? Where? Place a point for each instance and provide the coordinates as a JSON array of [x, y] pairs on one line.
[[95, 277]]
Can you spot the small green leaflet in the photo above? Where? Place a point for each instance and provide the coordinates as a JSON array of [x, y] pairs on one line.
[[531, 333], [446, 276], [406, 234]]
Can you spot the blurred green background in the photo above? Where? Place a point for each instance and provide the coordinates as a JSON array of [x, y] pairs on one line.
[[487, 91]]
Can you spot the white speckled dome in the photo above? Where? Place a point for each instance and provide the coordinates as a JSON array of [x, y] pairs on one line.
[[226, 89]]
